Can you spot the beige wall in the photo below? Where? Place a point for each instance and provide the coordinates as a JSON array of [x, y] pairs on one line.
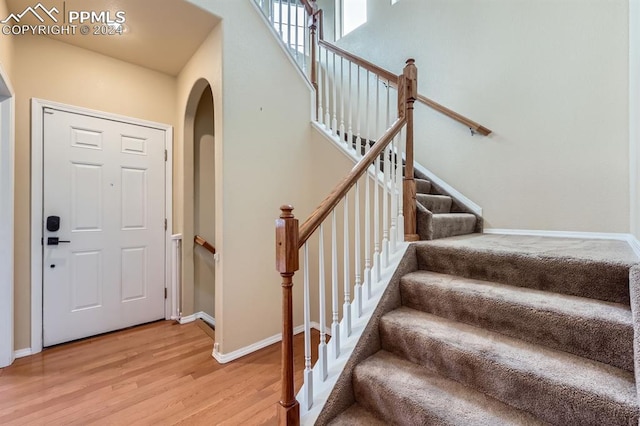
[[204, 209], [59, 72], [549, 77], [6, 44], [262, 114]]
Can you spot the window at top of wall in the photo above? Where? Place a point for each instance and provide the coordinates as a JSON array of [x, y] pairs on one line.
[[354, 14], [394, 1]]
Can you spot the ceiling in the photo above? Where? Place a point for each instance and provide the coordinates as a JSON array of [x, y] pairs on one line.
[[158, 34]]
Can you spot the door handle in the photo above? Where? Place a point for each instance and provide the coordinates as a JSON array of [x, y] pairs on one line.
[[54, 241]]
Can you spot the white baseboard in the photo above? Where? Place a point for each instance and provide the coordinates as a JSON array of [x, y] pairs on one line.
[[231, 356], [198, 315], [21, 353], [635, 244], [630, 239]]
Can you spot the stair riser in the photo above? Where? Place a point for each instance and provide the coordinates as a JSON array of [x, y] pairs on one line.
[[591, 279], [375, 398], [423, 186], [434, 226], [596, 339], [550, 401], [435, 203]]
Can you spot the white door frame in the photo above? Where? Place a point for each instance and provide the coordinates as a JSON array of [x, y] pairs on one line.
[[37, 219], [7, 158]]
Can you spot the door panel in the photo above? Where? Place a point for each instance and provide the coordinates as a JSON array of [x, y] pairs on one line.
[[105, 179]]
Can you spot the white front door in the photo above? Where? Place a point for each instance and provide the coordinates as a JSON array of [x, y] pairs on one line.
[[105, 182]]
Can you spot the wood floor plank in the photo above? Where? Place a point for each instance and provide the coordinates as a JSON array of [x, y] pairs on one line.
[[155, 374]]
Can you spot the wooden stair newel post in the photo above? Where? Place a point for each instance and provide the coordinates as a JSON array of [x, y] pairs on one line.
[[410, 89], [287, 265]]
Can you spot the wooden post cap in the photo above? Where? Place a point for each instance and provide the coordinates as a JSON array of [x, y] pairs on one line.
[[287, 241], [287, 212]]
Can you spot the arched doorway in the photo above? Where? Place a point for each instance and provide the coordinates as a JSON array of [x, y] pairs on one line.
[[198, 295]]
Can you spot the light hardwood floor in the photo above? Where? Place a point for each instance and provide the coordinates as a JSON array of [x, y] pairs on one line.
[[155, 374]]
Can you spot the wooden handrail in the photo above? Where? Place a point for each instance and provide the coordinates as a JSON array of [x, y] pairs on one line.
[[317, 17], [385, 74], [204, 243], [475, 127], [338, 193]]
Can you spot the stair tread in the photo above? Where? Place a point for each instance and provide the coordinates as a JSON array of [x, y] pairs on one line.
[[598, 330], [434, 196], [356, 415], [567, 370], [454, 216], [410, 394], [537, 299], [544, 269]]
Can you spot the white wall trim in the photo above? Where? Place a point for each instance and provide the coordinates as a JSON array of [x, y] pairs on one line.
[[7, 191], [21, 353], [476, 209], [37, 137], [630, 239], [635, 244], [198, 315], [232, 356]]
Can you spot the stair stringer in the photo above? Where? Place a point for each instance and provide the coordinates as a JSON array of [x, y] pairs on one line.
[[342, 396]]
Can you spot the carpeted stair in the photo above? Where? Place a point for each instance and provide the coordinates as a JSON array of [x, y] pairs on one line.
[[439, 215], [494, 336]]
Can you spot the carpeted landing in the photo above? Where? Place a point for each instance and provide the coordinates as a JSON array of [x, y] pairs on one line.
[[499, 330]]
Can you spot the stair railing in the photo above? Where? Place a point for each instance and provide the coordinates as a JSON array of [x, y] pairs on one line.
[[289, 17], [367, 247]]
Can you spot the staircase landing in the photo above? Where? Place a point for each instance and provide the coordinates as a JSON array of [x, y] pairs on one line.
[[577, 248]]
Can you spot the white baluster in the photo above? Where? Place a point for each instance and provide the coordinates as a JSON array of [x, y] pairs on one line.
[[280, 18], [376, 197], [288, 23], [308, 372], [385, 207], [346, 307], [350, 109], [321, 88], [296, 39], [367, 192], [342, 90], [358, 118], [334, 122], [400, 184], [327, 87], [335, 325], [322, 347], [393, 187], [358, 279]]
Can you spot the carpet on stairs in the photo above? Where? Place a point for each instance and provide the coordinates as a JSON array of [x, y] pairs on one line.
[[492, 330]]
